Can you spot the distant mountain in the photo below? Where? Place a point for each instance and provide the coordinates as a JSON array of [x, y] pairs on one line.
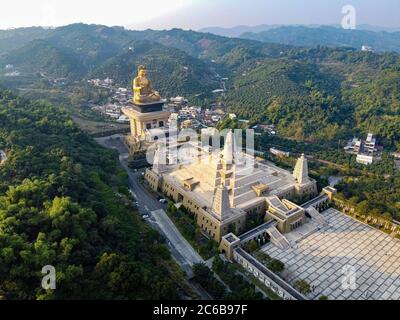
[[328, 36], [237, 30], [40, 56], [14, 38], [93, 44], [369, 27]]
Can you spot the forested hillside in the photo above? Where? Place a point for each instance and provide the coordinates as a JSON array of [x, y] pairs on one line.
[[63, 202], [310, 94], [321, 93], [172, 71], [16, 38], [40, 56]]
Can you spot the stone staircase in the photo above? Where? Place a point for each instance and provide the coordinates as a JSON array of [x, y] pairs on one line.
[[278, 238], [317, 217]]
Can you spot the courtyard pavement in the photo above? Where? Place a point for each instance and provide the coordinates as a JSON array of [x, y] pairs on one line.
[[347, 260]]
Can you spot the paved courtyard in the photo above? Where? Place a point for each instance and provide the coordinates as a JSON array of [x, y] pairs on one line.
[[346, 252]]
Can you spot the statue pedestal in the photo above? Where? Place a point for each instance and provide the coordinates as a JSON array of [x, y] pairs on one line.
[[146, 116], [148, 107]]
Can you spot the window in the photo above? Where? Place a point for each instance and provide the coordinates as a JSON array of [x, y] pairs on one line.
[[148, 126], [161, 124]]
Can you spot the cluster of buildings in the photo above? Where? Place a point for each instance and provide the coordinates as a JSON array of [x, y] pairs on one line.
[[178, 102], [213, 115], [193, 117], [367, 151], [189, 118], [10, 71], [104, 83], [113, 108], [222, 188], [113, 111], [267, 128]]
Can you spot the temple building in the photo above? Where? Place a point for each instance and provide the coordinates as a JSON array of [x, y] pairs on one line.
[[221, 188]]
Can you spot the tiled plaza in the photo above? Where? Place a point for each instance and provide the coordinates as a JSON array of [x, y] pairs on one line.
[[328, 257]]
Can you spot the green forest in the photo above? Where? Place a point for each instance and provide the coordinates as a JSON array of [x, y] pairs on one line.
[[321, 94], [63, 202]]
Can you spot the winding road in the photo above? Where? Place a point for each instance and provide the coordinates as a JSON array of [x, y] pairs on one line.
[[180, 248]]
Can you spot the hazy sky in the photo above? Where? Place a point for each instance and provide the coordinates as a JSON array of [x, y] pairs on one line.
[[193, 14]]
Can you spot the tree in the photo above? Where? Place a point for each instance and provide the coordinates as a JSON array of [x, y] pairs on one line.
[[302, 286], [251, 246], [218, 264], [171, 208], [276, 265]]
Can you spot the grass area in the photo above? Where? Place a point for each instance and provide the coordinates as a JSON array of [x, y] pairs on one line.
[[96, 127]]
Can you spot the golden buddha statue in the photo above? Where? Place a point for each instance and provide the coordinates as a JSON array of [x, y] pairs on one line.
[[143, 91]]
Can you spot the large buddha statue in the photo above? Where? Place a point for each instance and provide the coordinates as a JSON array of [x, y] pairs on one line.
[[143, 91]]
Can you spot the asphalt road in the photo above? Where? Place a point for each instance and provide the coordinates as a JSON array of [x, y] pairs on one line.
[[174, 236], [181, 250]]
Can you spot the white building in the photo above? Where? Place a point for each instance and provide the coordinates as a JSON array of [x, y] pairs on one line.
[[366, 48], [365, 159], [179, 100], [279, 153], [367, 151], [123, 119]]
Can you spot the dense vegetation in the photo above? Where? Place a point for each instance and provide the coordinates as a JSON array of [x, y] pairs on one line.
[[239, 287], [374, 196], [321, 94], [63, 202]]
